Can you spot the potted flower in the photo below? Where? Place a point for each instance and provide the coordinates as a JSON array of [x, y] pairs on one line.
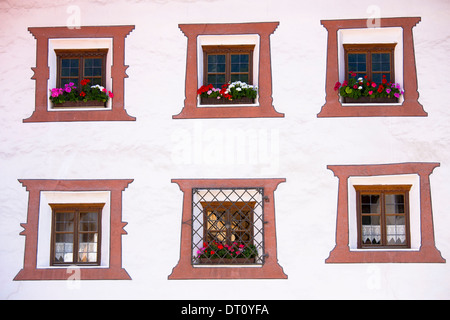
[[237, 92], [219, 253], [363, 90], [86, 96]]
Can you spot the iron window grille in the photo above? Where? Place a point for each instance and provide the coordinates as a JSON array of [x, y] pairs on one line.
[[228, 226]]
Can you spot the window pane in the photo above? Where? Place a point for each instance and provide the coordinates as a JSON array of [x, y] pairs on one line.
[[240, 77], [64, 247], [64, 221], [371, 231], [240, 225], [239, 63], [69, 67], [87, 247], [217, 80], [396, 230], [395, 203], [370, 204], [356, 62], [381, 62], [216, 63], [215, 226], [92, 67], [88, 221]]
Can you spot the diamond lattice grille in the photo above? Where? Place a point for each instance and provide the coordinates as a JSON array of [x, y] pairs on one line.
[[228, 226]]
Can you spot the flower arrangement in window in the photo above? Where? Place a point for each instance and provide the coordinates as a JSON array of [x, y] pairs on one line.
[[237, 92], [216, 252], [362, 89], [71, 96]]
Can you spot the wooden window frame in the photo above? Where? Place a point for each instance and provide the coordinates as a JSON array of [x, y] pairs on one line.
[[382, 190], [228, 51], [410, 107], [215, 206], [368, 49], [76, 209], [269, 270], [427, 252], [81, 55]]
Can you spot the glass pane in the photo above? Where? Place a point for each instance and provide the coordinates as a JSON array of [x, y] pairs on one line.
[[87, 247], [217, 80], [396, 230], [395, 203], [216, 63], [64, 248], [240, 77], [356, 62], [370, 203], [381, 62], [370, 231], [88, 221], [92, 67], [64, 221], [69, 67], [239, 63]]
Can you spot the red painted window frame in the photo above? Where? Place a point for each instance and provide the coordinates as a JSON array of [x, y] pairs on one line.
[[114, 271], [410, 105], [265, 108], [427, 252], [42, 72], [269, 270]]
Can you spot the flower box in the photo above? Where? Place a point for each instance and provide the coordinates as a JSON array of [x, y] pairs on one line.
[[80, 104], [215, 101], [226, 261], [370, 100]]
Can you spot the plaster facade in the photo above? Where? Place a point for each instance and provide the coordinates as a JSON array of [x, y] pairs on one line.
[[150, 137]]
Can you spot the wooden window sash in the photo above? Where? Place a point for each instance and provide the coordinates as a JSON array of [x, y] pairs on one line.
[[81, 55], [382, 191], [217, 206], [228, 51], [76, 209], [368, 49]]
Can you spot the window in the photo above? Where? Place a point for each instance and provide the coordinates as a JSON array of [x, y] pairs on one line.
[[222, 43], [74, 223], [76, 65], [228, 222], [383, 216], [57, 61], [374, 61], [355, 44], [76, 234], [226, 231], [225, 64]]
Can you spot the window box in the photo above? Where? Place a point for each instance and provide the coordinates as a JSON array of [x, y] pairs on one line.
[[227, 261], [376, 100], [209, 100], [80, 104]]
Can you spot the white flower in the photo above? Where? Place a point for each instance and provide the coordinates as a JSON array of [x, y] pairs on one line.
[[238, 89], [360, 87], [99, 87]]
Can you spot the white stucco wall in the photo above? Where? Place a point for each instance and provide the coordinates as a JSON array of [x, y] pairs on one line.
[[155, 148]]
